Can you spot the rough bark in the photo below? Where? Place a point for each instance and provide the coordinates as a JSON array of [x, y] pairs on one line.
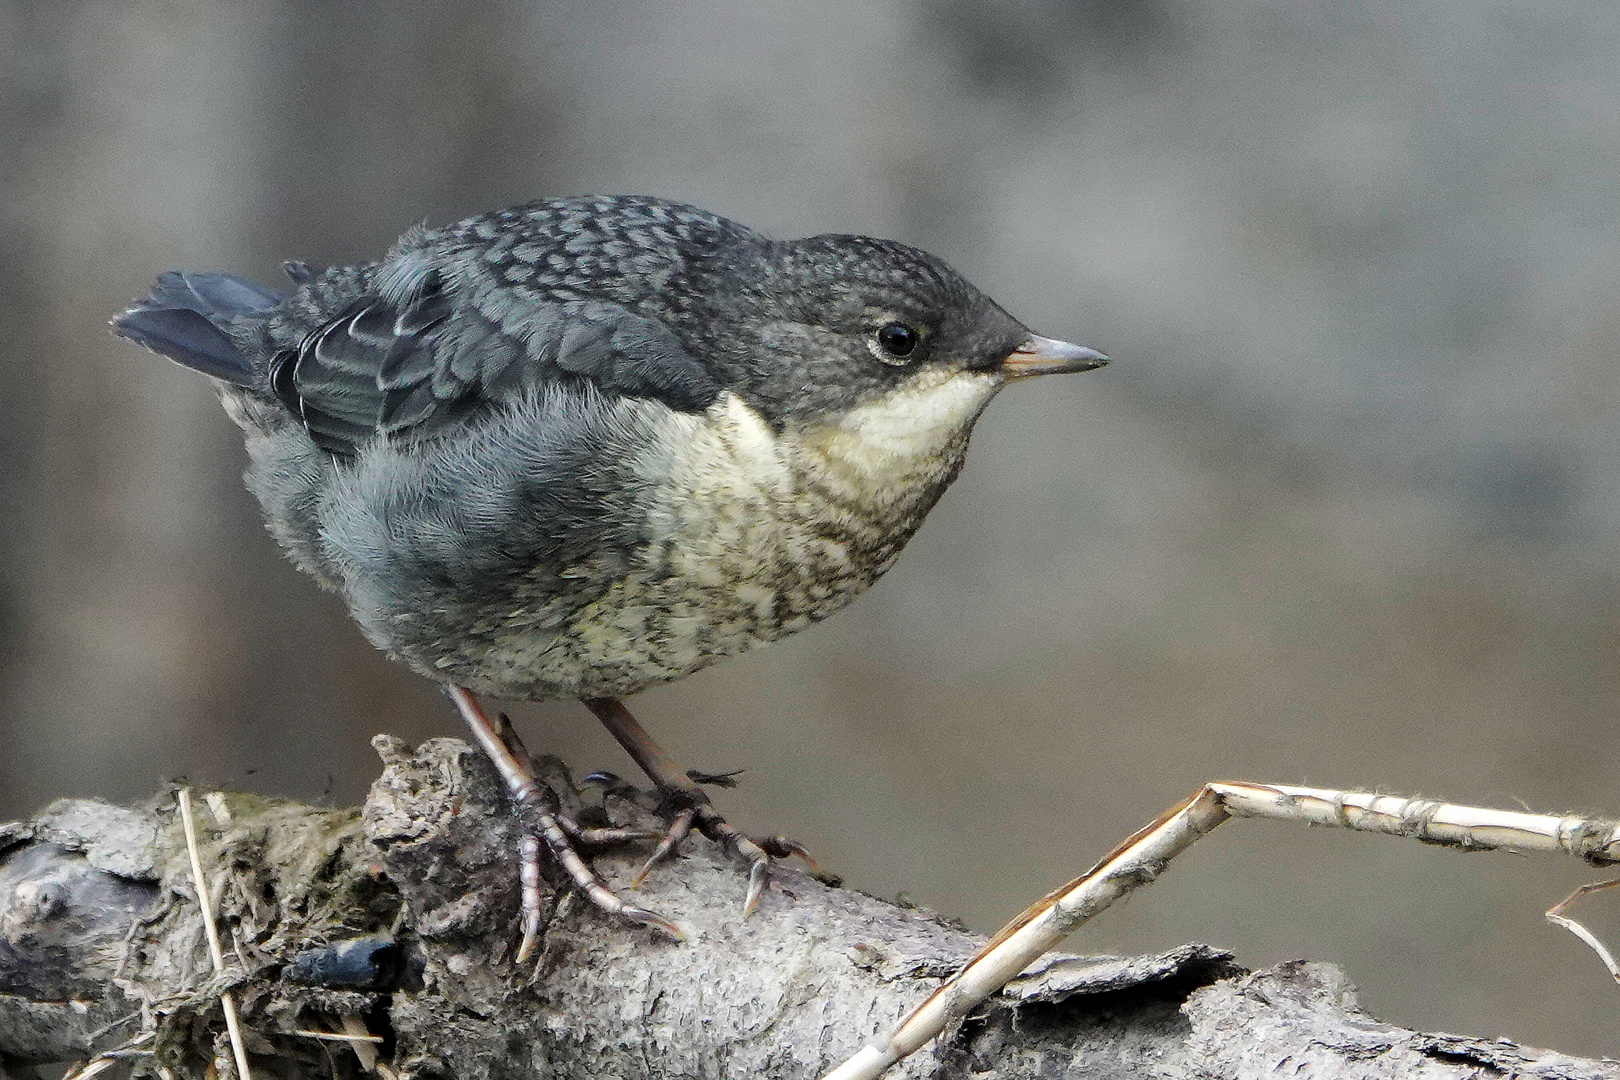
[[101, 941]]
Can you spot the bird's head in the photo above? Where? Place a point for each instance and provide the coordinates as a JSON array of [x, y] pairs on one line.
[[878, 355]]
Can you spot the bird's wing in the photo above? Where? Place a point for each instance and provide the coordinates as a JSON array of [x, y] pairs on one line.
[[414, 366]]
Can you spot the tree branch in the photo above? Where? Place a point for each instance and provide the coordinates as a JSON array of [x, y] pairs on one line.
[[102, 947]]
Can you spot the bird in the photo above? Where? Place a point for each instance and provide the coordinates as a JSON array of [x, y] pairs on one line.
[[585, 445]]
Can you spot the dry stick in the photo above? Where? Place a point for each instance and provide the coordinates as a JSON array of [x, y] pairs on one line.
[[1142, 857], [216, 955], [108, 1058], [1555, 914], [92, 1068], [335, 1036]]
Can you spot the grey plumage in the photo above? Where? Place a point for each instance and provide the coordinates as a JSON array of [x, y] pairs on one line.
[[583, 445], [187, 318]]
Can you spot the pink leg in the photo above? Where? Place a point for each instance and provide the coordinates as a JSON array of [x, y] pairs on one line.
[[525, 791]]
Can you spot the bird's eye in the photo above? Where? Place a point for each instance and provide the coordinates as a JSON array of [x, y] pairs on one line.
[[897, 341]]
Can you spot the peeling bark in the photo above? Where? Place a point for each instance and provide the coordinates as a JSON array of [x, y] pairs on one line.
[[101, 946]]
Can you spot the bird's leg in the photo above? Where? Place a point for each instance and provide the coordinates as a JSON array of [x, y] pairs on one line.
[[596, 836], [526, 792], [689, 803]]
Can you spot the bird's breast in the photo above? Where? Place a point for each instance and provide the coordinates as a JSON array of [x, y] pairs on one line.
[[754, 534]]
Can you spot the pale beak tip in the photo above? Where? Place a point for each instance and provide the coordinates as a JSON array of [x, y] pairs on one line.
[[1048, 356]]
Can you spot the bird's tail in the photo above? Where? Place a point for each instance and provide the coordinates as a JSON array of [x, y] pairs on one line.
[[187, 318]]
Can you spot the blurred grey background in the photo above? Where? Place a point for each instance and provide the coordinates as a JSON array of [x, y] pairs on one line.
[[1344, 510]]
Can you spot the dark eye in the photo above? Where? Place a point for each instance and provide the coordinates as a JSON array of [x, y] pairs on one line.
[[897, 340]]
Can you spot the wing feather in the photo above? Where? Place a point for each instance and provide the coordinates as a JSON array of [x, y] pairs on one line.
[[417, 362]]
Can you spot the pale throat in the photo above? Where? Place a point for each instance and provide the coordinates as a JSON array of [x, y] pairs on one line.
[[909, 435], [884, 461]]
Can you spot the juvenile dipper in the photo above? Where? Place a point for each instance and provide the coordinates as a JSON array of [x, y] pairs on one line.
[[584, 445]]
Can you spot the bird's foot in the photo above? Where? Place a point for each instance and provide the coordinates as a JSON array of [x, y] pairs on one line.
[[549, 824], [688, 807], [685, 805], [561, 831], [760, 853]]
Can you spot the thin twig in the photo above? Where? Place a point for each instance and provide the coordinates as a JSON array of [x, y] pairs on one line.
[[1555, 914], [94, 1067], [1142, 857], [334, 1036], [120, 1022], [216, 954], [108, 1058]]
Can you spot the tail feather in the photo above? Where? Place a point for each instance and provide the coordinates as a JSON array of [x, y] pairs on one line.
[[187, 318]]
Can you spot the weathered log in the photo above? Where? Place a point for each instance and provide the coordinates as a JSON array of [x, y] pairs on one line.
[[102, 948]]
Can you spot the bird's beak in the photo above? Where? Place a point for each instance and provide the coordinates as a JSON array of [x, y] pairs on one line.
[[1046, 356]]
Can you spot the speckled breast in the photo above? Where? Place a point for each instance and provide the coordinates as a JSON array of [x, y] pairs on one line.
[[754, 544]]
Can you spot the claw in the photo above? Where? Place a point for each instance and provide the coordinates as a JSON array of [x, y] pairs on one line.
[[759, 868], [643, 917], [781, 847], [759, 875], [613, 786], [679, 827]]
